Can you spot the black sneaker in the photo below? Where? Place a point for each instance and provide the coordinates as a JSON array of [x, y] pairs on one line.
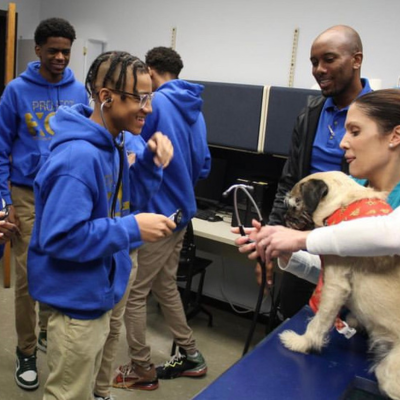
[[42, 341], [26, 374], [182, 364]]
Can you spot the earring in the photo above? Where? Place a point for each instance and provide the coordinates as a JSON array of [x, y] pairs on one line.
[[390, 145]]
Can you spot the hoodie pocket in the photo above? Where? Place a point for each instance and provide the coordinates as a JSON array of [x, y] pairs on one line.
[[31, 164]]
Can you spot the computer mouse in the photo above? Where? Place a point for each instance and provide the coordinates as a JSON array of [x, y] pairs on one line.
[[214, 218]]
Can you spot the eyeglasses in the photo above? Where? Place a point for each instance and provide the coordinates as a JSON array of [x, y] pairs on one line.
[[142, 98]]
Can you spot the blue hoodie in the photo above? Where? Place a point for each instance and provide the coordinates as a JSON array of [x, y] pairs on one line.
[[177, 114], [148, 181], [78, 259], [26, 106]]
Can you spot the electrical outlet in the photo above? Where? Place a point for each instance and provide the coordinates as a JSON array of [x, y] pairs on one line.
[[173, 38]]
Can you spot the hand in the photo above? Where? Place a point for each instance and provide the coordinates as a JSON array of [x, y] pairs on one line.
[[12, 216], [247, 243], [7, 230], [274, 241], [154, 227], [269, 273], [163, 149]]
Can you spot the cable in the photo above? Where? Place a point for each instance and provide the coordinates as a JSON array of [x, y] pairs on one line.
[[246, 189], [225, 296]]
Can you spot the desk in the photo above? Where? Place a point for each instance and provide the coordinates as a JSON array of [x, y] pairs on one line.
[[231, 277], [273, 372], [218, 231]]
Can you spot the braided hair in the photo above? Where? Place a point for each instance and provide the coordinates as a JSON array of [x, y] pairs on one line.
[[110, 70]]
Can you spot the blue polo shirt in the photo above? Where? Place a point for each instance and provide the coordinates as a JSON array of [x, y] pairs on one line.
[[326, 154]]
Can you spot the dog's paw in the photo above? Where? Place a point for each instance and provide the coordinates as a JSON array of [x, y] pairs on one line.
[[295, 342]]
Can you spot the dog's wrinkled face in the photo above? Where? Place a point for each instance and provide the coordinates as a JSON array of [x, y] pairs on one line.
[[317, 196], [302, 201]]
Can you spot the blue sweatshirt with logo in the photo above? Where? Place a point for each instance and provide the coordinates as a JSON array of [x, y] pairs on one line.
[[177, 114], [78, 259], [27, 104]]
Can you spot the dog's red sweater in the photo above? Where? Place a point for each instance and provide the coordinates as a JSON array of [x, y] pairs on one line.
[[358, 209]]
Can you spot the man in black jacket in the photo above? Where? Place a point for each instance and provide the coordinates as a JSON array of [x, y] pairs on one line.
[[336, 58]]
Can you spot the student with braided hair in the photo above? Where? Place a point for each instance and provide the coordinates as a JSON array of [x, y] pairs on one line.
[[26, 106], [83, 227]]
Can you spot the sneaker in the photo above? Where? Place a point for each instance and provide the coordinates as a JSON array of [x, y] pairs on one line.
[[182, 364], [26, 374], [96, 397], [133, 376], [42, 341]]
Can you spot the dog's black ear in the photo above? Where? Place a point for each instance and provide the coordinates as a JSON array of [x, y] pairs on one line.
[[312, 192]]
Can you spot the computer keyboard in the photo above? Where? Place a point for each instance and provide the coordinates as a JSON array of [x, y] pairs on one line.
[[205, 213]]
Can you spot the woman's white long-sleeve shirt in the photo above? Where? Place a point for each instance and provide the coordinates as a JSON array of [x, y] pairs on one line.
[[373, 236]]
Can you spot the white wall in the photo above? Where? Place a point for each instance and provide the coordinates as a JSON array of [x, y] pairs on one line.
[[247, 41]]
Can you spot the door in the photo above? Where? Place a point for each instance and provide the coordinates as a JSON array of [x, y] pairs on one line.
[[8, 34]]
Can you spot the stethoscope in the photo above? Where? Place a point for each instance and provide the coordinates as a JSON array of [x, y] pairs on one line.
[[246, 189], [120, 147]]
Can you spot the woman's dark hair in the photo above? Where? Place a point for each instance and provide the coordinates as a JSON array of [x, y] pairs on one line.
[[110, 70], [382, 106], [54, 27]]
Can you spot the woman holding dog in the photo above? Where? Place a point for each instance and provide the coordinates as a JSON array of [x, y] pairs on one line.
[[379, 236], [372, 150]]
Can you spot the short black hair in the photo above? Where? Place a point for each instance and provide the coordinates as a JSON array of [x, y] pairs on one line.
[[54, 27], [164, 59]]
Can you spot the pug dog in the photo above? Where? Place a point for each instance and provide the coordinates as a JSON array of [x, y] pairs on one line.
[[367, 286]]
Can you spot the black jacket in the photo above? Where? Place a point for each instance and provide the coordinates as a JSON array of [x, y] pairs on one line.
[[298, 164]]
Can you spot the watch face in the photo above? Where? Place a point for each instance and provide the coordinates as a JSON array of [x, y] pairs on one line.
[[178, 217]]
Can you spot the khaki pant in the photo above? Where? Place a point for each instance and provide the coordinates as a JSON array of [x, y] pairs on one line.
[[25, 312], [105, 376], [74, 351], [158, 264]]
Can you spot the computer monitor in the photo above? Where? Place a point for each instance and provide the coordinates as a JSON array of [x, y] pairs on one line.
[[209, 191], [283, 105], [232, 113]]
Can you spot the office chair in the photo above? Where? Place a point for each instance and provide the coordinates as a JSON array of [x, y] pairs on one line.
[[189, 266]]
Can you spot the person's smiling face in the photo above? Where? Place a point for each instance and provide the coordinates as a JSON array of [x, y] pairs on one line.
[[54, 57], [126, 113], [335, 65]]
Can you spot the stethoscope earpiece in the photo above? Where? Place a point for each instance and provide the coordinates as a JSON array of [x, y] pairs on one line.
[[246, 189]]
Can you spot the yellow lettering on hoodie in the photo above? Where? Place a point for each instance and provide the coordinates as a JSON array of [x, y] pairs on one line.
[[47, 124], [31, 124]]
